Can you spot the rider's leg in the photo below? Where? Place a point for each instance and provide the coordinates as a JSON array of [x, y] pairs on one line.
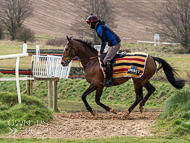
[[110, 55], [109, 74]]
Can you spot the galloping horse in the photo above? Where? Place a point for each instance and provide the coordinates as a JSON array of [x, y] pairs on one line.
[[89, 59]]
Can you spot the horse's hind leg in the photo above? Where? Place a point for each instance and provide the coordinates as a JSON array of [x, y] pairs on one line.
[[139, 97], [97, 99], [150, 88]]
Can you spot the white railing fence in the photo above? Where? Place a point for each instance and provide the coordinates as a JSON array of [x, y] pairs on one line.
[[49, 66], [98, 47], [24, 54], [158, 43], [125, 38]]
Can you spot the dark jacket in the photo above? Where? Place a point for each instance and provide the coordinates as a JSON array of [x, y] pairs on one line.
[[106, 35]]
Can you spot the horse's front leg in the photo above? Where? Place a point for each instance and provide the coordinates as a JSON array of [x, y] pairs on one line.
[[90, 89], [97, 99]]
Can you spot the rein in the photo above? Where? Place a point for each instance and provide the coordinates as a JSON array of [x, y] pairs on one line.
[[91, 58]]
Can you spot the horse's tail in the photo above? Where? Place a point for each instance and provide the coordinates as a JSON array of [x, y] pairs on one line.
[[170, 73]]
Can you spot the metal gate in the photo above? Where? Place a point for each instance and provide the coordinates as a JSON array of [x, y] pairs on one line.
[[49, 66]]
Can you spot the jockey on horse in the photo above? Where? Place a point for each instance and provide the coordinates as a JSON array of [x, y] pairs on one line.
[[114, 43]]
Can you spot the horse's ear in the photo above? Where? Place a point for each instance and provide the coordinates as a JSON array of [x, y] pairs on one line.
[[68, 39]]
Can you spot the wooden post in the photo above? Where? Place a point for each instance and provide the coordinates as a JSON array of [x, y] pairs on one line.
[[50, 93], [55, 95], [28, 87], [31, 87], [52, 103]]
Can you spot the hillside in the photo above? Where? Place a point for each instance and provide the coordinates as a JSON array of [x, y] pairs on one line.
[[135, 18]]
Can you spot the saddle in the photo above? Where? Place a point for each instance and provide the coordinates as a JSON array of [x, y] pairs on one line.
[[113, 61]]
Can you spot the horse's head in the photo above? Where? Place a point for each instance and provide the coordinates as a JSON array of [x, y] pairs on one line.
[[69, 52]]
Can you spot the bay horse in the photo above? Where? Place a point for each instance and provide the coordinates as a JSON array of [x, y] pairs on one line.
[[93, 74]]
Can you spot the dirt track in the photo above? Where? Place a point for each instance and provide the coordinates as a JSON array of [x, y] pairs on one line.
[[83, 125]]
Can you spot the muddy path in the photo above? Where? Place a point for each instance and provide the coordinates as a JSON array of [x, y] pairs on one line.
[[82, 125]]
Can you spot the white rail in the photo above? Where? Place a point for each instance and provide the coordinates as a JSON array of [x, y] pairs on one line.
[[49, 66], [24, 54], [98, 47], [125, 38], [13, 56], [152, 42]]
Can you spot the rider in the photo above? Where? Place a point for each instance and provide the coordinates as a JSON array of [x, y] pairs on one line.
[[106, 35]]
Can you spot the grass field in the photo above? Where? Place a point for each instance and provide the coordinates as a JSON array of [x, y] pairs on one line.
[[155, 139]]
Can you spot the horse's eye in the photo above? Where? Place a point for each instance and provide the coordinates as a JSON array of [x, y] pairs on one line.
[[66, 49]]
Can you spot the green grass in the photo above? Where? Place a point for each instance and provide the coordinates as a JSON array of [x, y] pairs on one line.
[[22, 115], [175, 120], [43, 37], [72, 90], [66, 106], [126, 139], [181, 63]]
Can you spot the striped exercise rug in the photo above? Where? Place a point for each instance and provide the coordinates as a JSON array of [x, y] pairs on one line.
[[132, 65]]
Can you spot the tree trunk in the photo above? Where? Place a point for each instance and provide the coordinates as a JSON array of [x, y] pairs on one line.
[[13, 37], [188, 50]]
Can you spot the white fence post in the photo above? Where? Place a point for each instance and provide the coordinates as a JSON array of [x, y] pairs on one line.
[[127, 39], [37, 50], [156, 37], [37, 53], [17, 80], [16, 71], [24, 48]]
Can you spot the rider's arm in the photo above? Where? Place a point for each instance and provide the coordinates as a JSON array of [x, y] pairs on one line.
[[103, 38]]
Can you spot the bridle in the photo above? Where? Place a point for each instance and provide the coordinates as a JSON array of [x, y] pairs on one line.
[[70, 53]]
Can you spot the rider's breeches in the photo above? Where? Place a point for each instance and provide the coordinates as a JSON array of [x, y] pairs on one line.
[[111, 53]]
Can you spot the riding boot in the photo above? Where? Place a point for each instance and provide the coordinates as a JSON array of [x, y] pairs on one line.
[[109, 74]]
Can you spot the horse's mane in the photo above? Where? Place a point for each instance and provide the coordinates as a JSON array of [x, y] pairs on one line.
[[87, 43]]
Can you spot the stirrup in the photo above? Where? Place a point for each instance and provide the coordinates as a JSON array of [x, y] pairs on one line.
[[107, 83]]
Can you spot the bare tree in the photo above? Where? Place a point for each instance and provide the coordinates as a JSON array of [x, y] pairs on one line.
[[13, 14], [103, 9], [174, 20], [25, 34]]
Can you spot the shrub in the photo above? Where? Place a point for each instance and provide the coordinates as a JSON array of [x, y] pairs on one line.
[[57, 42], [25, 34]]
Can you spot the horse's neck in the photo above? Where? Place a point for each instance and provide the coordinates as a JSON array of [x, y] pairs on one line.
[[86, 57]]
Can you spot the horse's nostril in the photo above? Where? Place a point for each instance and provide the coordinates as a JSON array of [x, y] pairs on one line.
[[62, 63]]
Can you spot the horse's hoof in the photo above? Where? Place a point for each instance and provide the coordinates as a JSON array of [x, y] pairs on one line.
[[113, 110], [125, 115], [141, 109], [93, 113]]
